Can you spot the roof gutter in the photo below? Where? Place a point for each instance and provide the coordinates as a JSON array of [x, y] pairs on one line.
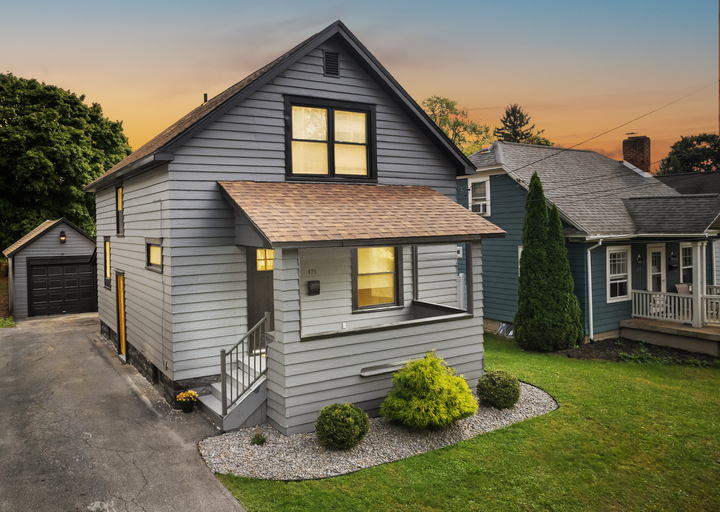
[[590, 293]]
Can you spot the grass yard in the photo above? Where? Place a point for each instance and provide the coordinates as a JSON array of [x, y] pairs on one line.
[[626, 437]]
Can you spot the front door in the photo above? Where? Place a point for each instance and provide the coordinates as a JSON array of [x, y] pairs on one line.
[[121, 312], [261, 263], [656, 267]]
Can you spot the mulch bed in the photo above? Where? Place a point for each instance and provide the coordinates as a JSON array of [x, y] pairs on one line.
[[610, 349]]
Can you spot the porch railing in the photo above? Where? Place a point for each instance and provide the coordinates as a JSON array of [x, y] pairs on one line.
[[243, 364], [676, 307], [713, 289], [662, 306]]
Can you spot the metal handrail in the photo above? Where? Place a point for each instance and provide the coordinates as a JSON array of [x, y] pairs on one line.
[[246, 359]]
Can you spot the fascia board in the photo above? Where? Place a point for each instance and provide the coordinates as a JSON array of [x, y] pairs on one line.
[[144, 164]]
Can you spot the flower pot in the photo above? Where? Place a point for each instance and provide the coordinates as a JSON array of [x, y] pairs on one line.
[[187, 406]]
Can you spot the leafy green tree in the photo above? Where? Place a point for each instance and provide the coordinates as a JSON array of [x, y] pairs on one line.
[[531, 324], [696, 153], [563, 307], [52, 145], [467, 135], [515, 128]]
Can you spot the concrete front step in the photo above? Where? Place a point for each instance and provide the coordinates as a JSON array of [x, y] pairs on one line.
[[244, 408]]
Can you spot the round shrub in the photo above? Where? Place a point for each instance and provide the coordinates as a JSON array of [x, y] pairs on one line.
[[341, 426], [498, 389], [427, 394]]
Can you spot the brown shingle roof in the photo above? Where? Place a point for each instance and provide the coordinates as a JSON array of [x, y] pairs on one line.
[[302, 213], [30, 236]]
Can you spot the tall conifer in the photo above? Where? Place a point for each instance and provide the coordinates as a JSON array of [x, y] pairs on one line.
[[566, 324], [531, 324]]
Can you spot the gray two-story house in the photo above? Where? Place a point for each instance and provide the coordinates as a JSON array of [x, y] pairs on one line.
[[291, 242]]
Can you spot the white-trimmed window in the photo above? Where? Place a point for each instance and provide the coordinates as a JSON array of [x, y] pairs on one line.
[[519, 257], [479, 195], [618, 273], [686, 263]]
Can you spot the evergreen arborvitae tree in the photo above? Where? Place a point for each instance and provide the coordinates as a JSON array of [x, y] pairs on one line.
[[563, 308], [531, 324]]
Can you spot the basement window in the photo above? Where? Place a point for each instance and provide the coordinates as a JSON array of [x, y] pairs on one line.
[[153, 254]]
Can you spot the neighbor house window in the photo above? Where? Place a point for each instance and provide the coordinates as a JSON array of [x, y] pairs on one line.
[[265, 259], [686, 264], [479, 195], [520, 247], [120, 218], [108, 281], [330, 140], [153, 254], [376, 282], [618, 274]]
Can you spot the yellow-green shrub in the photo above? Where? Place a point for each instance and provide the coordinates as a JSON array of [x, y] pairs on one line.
[[427, 394]]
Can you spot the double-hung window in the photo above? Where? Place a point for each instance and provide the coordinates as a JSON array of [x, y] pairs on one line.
[[479, 195], [329, 140], [686, 263], [108, 275], [618, 274], [375, 277], [120, 214]]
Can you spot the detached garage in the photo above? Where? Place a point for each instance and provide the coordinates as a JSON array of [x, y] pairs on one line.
[[52, 271]]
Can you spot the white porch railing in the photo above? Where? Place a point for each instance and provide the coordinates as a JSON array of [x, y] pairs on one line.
[[676, 307]]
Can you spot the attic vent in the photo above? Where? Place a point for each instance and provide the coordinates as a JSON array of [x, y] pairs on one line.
[[332, 64]]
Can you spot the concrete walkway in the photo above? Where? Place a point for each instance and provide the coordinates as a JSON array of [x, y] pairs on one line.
[[80, 430]]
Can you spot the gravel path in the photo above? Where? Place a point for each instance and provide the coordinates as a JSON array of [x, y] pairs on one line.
[[301, 457]]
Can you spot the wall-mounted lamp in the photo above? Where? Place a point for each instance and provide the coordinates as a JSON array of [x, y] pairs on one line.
[[640, 259], [62, 236], [673, 256]]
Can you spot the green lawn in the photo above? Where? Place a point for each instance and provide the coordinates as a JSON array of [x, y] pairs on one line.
[[626, 437]]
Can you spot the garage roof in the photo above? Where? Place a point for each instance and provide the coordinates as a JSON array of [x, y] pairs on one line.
[[42, 228]]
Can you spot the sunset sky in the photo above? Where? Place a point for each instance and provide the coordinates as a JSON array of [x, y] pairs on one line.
[[578, 68]]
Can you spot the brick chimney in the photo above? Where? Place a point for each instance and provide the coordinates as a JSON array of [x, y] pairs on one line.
[[636, 150]]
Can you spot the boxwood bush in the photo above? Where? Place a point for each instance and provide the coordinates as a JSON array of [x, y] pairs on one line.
[[427, 394], [498, 389], [341, 426]]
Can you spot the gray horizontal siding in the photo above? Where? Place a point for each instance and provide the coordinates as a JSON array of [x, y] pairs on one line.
[[45, 246], [437, 274], [306, 375], [148, 303]]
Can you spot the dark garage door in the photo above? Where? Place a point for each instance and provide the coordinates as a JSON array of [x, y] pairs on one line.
[[61, 288]]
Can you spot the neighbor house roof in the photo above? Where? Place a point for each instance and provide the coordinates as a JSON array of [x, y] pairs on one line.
[[686, 214], [297, 214], [161, 148], [588, 188], [693, 182], [38, 231]]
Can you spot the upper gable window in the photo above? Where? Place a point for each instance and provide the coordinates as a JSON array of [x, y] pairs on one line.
[[479, 195], [330, 141]]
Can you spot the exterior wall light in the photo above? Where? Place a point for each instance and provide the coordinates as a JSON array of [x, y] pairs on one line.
[[62, 237], [640, 259]]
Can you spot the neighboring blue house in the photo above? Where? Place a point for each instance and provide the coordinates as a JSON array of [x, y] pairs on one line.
[[639, 235]]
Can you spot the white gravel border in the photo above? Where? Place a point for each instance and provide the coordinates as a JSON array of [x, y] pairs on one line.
[[301, 457]]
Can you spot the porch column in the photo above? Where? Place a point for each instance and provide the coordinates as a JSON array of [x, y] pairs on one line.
[[699, 284]]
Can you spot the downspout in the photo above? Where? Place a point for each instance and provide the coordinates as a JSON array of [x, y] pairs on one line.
[[590, 294]]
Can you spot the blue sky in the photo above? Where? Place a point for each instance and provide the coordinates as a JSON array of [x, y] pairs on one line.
[[579, 68]]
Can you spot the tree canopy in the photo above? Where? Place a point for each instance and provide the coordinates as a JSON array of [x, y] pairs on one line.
[[515, 128], [52, 145], [467, 135], [696, 153]]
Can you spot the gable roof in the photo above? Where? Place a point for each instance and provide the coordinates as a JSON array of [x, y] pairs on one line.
[[305, 214], [686, 214], [40, 230], [161, 148], [588, 188], [693, 182]]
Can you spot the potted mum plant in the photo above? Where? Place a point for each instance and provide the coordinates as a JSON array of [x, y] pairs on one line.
[[187, 400]]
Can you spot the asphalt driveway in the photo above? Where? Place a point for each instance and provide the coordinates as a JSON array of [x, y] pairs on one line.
[[80, 430]]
